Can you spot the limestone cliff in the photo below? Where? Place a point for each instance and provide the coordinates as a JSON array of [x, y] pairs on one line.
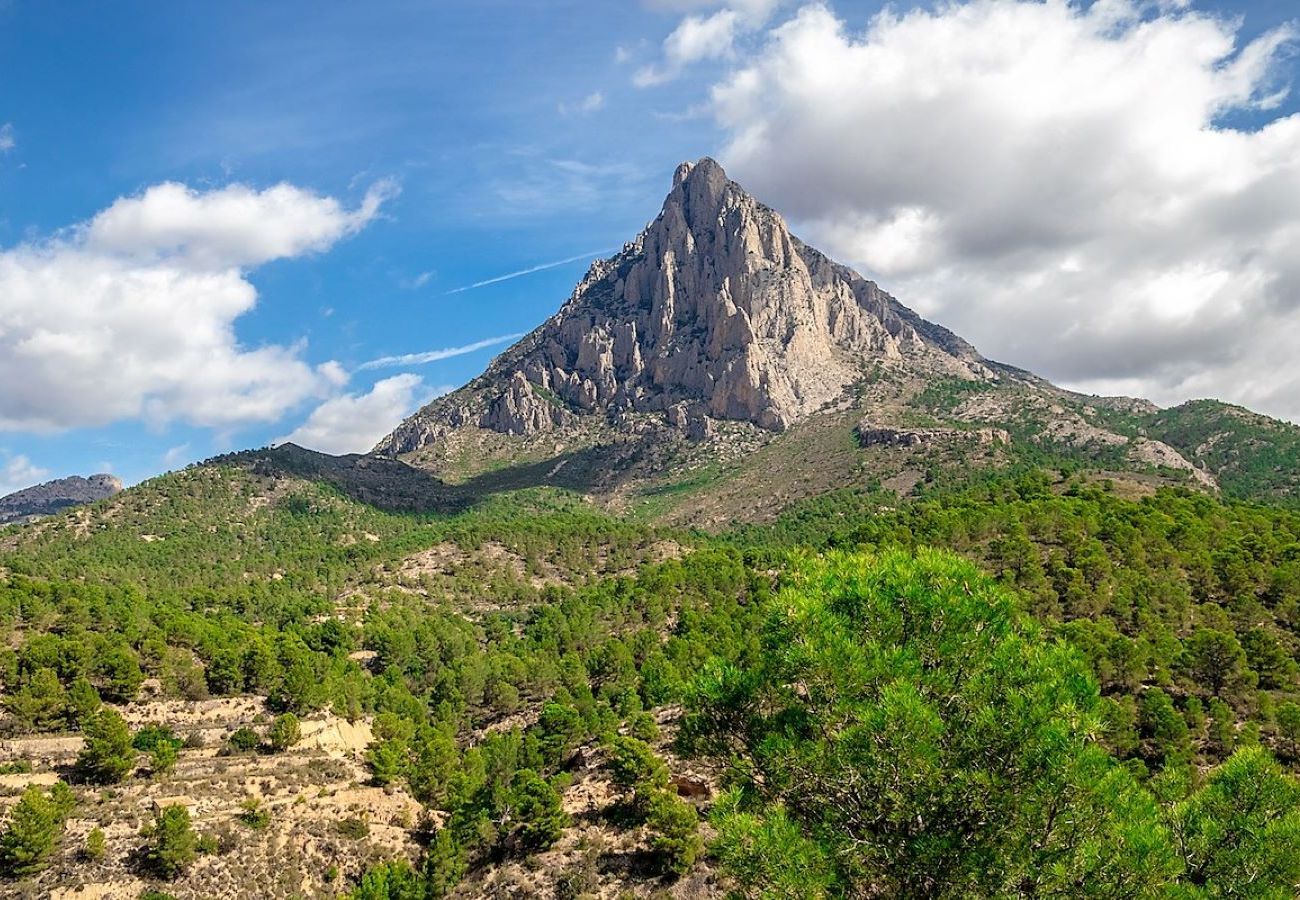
[[715, 311]]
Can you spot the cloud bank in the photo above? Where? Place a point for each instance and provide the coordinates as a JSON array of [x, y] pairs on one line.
[[354, 423], [131, 315], [1104, 195]]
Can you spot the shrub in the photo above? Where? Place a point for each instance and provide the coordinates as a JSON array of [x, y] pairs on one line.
[[285, 732], [172, 845], [538, 816], [254, 814], [107, 756], [95, 845], [674, 832], [354, 828], [244, 740], [35, 824], [162, 759], [152, 735]]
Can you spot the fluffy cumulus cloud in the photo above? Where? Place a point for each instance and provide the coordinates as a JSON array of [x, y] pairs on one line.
[[18, 472], [709, 32], [131, 315], [1071, 187], [235, 227], [353, 423]]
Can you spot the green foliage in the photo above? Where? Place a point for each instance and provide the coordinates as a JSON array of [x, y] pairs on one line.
[[34, 826], [1240, 834], [244, 740], [1253, 456], [537, 816], [285, 732], [95, 847], [163, 757], [254, 814], [633, 763], [443, 865], [1167, 636], [41, 703], [1163, 730], [354, 828], [153, 735], [108, 755], [674, 832], [122, 674], [390, 881], [172, 843], [908, 720], [83, 701], [1175, 591]]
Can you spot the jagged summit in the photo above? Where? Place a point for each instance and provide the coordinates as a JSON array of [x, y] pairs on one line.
[[715, 311]]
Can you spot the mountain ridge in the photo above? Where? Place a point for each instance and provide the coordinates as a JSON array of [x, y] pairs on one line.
[[715, 307], [716, 332], [56, 495]]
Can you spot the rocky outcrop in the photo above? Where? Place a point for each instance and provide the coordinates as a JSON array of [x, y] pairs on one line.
[[873, 435], [715, 308], [53, 496], [1159, 454]]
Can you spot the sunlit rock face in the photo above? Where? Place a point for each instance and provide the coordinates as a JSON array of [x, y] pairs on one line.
[[715, 311]]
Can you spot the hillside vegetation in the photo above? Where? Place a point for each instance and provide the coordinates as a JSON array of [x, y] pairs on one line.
[[1079, 693]]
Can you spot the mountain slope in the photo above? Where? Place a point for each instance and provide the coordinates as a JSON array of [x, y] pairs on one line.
[[715, 311], [54, 496], [1254, 456], [719, 368]]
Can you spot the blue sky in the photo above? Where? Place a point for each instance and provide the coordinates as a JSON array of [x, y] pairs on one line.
[[496, 136]]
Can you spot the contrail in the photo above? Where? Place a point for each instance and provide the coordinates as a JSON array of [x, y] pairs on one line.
[[550, 265], [428, 356]]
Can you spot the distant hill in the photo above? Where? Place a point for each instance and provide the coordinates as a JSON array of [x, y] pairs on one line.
[[54, 496]]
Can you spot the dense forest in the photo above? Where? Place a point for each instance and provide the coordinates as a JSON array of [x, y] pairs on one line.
[[1030, 687]]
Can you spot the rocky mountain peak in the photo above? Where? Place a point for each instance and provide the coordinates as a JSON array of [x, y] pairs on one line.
[[714, 311], [52, 496]]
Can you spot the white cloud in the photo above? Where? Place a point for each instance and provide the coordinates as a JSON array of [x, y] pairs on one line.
[[18, 472], [428, 356], [696, 38], [7, 139], [702, 37], [419, 281], [353, 423], [1054, 182], [235, 227], [176, 455], [588, 104], [131, 315]]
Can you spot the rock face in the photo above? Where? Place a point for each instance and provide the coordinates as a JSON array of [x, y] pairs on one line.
[[872, 435], [1160, 454], [715, 312], [52, 496]]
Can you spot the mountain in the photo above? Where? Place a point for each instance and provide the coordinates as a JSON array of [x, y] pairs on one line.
[[53, 496], [693, 534], [714, 311], [718, 367]]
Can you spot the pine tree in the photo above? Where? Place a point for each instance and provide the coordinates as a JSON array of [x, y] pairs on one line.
[[108, 755], [173, 845]]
